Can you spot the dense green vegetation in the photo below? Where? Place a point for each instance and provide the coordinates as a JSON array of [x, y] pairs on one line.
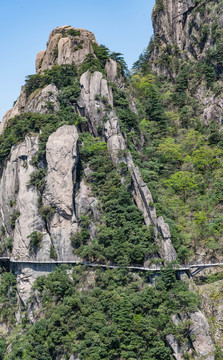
[[61, 76], [181, 161], [115, 314], [8, 298], [122, 236], [32, 123], [108, 314]]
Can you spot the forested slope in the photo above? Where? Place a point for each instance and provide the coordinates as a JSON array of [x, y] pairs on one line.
[[115, 168]]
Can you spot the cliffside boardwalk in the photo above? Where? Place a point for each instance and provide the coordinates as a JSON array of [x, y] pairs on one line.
[[190, 269]]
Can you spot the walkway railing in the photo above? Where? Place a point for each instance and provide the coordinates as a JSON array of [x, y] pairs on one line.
[[155, 268]]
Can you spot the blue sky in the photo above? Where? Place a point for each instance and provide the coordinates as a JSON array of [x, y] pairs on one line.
[[122, 25]]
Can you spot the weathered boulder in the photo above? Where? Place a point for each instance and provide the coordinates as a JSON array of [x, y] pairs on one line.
[[17, 109], [86, 204], [19, 201], [198, 342], [95, 96], [43, 101], [66, 45], [62, 158], [200, 333]]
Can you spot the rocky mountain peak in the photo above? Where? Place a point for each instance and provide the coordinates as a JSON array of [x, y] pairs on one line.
[[66, 45]]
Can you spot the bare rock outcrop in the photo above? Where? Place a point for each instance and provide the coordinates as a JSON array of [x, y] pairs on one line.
[[169, 20], [17, 109], [62, 157], [43, 100], [95, 94], [212, 306], [200, 333], [40, 101], [19, 201], [66, 45], [86, 204], [198, 342]]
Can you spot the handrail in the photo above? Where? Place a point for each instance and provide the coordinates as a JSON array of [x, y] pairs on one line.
[[87, 263]]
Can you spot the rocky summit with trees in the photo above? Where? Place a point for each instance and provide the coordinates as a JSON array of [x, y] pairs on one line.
[[111, 187]]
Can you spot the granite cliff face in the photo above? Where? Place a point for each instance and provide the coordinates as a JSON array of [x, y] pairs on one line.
[[66, 45], [41, 218], [64, 195], [190, 32]]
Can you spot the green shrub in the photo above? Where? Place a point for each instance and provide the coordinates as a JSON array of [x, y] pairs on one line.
[[37, 179], [61, 76], [35, 240], [13, 217], [46, 212]]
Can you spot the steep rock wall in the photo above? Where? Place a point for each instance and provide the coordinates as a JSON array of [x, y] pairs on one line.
[[94, 89], [189, 30]]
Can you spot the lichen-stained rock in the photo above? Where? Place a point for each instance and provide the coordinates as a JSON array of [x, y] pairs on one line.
[[183, 33], [167, 249], [200, 333], [115, 140], [175, 347], [169, 20], [17, 109], [143, 197], [212, 306], [62, 158], [198, 342], [20, 201], [66, 45], [111, 68], [86, 204], [95, 95], [43, 101]]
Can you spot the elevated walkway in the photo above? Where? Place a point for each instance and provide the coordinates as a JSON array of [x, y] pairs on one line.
[[190, 269]]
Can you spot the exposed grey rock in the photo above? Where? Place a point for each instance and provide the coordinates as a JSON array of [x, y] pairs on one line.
[[113, 73], [178, 25], [170, 23], [14, 181], [95, 93], [175, 347], [168, 251], [43, 101], [143, 197], [26, 274], [16, 110], [65, 48], [200, 333], [62, 157], [40, 101], [115, 141], [212, 305], [94, 89], [111, 68], [86, 204], [199, 343]]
